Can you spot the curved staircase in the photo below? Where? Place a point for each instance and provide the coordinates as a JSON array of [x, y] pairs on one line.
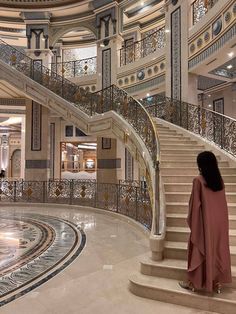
[[159, 279]]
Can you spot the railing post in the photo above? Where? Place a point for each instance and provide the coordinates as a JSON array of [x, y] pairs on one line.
[[199, 122], [74, 63], [14, 191], [71, 192], [136, 202], [44, 191], [187, 115], [157, 198], [118, 197], [95, 194]]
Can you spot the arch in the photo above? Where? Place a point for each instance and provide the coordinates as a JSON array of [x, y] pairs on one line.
[[57, 33], [16, 163]]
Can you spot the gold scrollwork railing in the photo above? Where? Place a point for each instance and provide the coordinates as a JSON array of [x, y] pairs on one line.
[[211, 125], [76, 68], [129, 200], [143, 47], [200, 8]]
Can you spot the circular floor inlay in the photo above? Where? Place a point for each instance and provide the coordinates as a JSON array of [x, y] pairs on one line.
[[33, 249]]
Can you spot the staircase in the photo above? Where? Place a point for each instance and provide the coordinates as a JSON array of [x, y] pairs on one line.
[[159, 279]]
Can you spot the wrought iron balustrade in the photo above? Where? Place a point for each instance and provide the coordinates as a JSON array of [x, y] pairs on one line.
[[132, 201], [143, 47], [209, 124], [200, 8], [75, 68]]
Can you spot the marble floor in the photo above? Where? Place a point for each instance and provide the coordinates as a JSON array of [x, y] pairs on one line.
[[87, 259]]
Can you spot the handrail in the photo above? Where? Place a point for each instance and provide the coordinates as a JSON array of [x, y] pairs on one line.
[[129, 200], [142, 48], [111, 98], [209, 124], [76, 68], [200, 8]]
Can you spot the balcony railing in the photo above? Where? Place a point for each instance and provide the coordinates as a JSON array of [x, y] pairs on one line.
[[200, 8], [143, 48], [76, 68], [209, 124], [129, 200]]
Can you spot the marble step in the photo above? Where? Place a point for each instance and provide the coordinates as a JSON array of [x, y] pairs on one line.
[[179, 220], [172, 136], [192, 171], [186, 163], [175, 179], [180, 146], [172, 269], [184, 197], [182, 208], [189, 157], [183, 151], [187, 187], [168, 290], [178, 250], [178, 142], [181, 234]]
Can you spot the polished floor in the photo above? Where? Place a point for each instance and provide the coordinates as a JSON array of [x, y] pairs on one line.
[[71, 261]]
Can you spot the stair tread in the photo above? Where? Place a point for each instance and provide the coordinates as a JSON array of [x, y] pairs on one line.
[[174, 263], [183, 246], [232, 232], [188, 193], [177, 215], [227, 295]]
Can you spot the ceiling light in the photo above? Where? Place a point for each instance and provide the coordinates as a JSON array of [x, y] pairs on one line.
[[167, 31], [142, 3], [209, 95], [229, 66], [148, 94], [209, 105], [230, 54]]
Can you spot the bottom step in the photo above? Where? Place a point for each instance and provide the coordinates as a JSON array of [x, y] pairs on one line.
[[168, 290]]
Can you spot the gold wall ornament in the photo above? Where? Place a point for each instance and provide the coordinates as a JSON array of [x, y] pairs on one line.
[[203, 122], [125, 105], [13, 58]]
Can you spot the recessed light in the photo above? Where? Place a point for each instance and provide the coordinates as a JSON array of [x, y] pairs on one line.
[[167, 31], [209, 105], [230, 54], [209, 95], [229, 66], [142, 3], [148, 94]]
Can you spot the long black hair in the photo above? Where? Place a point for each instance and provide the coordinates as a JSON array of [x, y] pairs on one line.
[[208, 166]]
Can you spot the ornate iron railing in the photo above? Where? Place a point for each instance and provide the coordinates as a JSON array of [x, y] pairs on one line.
[[143, 48], [76, 68], [129, 200], [209, 124], [111, 98], [200, 8]]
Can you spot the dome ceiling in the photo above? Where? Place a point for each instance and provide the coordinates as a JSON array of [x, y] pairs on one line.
[[32, 4]]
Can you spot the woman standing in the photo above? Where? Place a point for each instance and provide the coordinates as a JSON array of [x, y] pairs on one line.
[[208, 248]]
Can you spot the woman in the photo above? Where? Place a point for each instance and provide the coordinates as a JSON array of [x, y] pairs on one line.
[[208, 247]]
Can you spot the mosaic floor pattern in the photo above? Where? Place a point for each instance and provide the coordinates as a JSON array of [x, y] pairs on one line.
[[33, 249]]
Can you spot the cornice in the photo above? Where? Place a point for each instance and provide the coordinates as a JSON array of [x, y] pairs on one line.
[[36, 4]]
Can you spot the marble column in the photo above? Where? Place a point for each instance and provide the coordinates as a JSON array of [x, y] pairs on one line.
[[108, 164], [22, 166], [109, 42], [180, 84], [37, 33], [37, 142]]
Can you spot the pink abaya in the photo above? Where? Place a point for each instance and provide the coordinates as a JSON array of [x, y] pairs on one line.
[[208, 247]]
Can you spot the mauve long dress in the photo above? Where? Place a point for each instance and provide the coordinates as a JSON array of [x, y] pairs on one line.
[[208, 247]]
